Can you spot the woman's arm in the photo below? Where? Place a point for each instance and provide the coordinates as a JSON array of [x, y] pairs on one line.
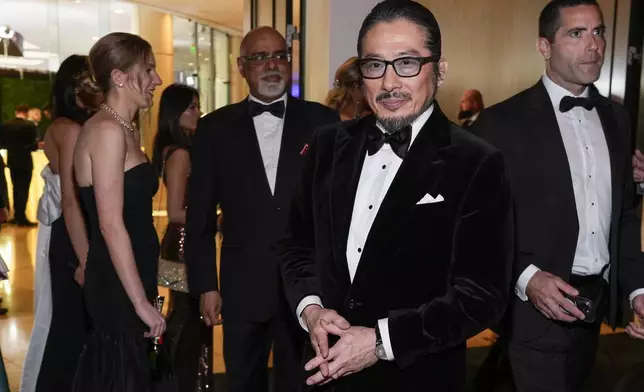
[[74, 220], [108, 164], [176, 171]]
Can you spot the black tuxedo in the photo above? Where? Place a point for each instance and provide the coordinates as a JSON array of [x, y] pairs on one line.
[[439, 271], [227, 169], [19, 137], [525, 128]]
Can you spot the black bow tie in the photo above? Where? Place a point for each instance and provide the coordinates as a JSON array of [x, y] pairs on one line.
[[568, 103], [399, 140], [276, 109]]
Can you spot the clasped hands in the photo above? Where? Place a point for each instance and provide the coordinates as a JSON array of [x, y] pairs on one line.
[[353, 352]]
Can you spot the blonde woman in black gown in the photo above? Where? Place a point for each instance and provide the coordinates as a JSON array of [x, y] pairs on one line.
[[117, 184]]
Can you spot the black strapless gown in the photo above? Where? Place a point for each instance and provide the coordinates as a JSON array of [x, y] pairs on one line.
[[114, 358]]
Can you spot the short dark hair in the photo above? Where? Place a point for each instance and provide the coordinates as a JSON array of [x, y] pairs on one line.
[[550, 17], [22, 109], [392, 10]]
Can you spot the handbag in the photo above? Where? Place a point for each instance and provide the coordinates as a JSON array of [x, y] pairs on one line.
[[172, 273]]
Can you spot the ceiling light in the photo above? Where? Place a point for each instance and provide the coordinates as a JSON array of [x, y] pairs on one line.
[[190, 64], [118, 11], [205, 59]]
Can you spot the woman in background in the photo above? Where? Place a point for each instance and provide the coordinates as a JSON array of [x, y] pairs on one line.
[[117, 184], [61, 324], [346, 95], [189, 338]]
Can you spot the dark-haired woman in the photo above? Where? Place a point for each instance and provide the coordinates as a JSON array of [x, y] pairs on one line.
[[60, 324], [117, 183], [189, 338]]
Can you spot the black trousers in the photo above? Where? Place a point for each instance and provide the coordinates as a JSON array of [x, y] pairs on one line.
[[247, 346], [560, 360], [21, 179]]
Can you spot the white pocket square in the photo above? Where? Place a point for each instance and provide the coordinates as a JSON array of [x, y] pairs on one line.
[[429, 199]]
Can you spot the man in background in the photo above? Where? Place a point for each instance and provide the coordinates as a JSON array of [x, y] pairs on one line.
[[578, 235], [247, 158], [20, 137], [471, 106]]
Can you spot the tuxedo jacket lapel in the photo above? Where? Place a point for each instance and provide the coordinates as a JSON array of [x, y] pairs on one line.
[[350, 150], [419, 174], [246, 127], [544, 136], [293, 140]]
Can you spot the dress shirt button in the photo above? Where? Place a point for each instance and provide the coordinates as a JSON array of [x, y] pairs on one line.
[[371, 207], [384, 167], [279, 208], [351, 304], [593, 203], [360, 249]]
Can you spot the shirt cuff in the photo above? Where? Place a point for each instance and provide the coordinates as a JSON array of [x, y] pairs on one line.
[[522, 282], [306, 301], [633, 295], [383, 326]]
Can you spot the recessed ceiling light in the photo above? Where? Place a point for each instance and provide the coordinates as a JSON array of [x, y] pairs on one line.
[[118, 11], [190, 64], [205, 59]]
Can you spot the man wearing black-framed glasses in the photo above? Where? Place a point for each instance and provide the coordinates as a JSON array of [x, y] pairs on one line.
[[399, 243], [247, 157]]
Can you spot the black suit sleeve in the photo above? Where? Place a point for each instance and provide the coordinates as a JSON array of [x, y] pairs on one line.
[[297, 247], [201, 214], [631, 259], [32, 138], [479, 277]]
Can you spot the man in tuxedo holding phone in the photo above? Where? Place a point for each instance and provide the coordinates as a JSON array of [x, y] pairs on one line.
[[569, 152], [247, 158], [399, 243]]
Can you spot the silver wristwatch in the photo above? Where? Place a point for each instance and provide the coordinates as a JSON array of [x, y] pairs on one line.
[[380, 347]]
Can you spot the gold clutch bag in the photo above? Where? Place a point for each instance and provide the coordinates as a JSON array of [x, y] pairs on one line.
[[172, 275]]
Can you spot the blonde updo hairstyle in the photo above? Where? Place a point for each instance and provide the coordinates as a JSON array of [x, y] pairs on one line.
[[115, 51], [347, 80]]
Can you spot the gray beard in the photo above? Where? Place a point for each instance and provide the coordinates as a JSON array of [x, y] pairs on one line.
[[393, 124]]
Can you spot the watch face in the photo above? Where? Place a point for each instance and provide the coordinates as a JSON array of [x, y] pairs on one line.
[[380, 352]]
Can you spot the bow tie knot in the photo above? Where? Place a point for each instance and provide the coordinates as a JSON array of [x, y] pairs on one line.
[[399, 140], [567, 103], [277, 109]]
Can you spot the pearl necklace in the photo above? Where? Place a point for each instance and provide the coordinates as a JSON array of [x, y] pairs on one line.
[[129, 126]]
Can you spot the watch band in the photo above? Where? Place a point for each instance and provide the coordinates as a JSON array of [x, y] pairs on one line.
[[380, 347]]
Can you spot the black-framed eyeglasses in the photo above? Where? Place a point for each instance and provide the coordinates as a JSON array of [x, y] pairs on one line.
[[263, 57], [405, 67]]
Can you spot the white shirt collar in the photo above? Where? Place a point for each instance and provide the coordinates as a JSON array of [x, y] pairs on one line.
[[282, 98], [556, 92], [418, 123]]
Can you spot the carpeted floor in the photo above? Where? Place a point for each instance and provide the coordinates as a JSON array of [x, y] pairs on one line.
[[619, 366]]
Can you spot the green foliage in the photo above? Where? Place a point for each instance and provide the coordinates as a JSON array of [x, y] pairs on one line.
[[14, 91]]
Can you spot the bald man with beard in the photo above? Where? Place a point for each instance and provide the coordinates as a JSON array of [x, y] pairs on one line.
[[246, 157]]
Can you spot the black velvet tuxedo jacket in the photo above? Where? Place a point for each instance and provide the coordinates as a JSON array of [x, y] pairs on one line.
[[525, 128], [440, 272], [227, 168]]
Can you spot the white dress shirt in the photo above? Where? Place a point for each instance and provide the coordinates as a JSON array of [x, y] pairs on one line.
[[269, 130], [585, 144], [378, 172]]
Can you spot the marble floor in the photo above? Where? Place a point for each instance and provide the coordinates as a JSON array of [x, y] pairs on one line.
[[18, 248]]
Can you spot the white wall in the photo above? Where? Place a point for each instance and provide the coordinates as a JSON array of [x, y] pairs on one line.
[[345, 18]]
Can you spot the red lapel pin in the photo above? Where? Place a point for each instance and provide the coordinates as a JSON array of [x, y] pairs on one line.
[[305, 149]]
